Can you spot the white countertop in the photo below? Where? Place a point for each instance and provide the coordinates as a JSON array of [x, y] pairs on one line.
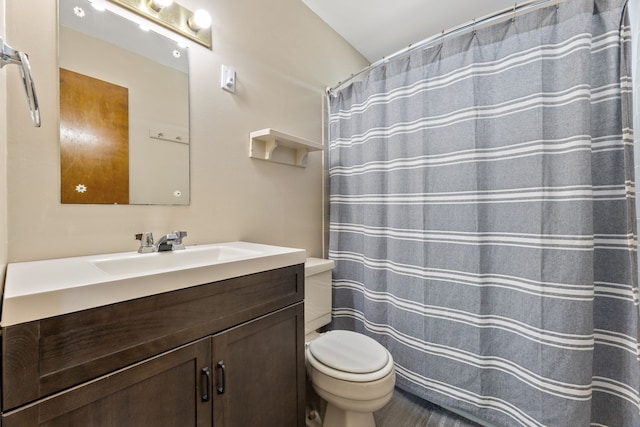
[[39, 289]]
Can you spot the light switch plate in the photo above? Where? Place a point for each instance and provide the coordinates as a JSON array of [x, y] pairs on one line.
[[228, 78]]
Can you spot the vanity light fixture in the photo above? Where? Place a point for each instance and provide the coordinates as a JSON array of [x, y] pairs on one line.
[[172, 16]]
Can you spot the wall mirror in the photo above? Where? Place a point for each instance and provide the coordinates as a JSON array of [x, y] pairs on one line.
[[124, 109]]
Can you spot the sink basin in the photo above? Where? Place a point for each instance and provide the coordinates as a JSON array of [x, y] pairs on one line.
[[36, 290], [193, 256]]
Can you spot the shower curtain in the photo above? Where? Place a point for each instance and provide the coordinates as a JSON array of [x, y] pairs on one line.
[[482, 218]]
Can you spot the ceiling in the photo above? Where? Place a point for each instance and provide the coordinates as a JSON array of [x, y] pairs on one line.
[[378, 28]]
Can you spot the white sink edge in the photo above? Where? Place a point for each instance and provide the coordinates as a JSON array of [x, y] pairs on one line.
[[74, 284]]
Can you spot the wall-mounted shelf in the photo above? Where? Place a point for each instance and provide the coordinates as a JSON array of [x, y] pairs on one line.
[[275, 146]]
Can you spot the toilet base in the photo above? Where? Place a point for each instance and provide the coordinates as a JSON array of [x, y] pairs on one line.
[[336, 417]]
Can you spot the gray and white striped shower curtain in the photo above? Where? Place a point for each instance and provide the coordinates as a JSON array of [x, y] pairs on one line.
[[482, 218]]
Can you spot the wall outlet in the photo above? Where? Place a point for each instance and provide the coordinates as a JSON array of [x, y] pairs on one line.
[[228, 78]]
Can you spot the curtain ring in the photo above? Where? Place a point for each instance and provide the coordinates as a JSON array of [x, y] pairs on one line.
[[515, 6], [473, 25], [442, 38]]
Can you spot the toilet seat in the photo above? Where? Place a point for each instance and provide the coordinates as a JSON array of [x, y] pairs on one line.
[[349, 356]]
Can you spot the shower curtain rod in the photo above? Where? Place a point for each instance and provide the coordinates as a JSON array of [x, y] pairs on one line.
[[446, 33]]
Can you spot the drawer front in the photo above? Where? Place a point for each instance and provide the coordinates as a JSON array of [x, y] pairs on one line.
[[43, 357]]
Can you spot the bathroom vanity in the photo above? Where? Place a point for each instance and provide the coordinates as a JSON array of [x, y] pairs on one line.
[[229, 351]]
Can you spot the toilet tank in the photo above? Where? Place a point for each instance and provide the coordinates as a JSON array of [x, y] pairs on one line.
[[317, 293]]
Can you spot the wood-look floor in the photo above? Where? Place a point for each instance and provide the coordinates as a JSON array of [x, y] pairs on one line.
[[405, 410]]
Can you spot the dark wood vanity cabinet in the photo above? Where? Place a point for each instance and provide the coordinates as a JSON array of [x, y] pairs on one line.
[[227, 354]]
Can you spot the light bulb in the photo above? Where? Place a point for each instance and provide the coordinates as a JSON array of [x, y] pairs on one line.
[[158, 5], [79, 12], [199, 20]]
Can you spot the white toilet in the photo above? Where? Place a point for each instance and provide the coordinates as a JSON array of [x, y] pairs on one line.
[[353, 373]]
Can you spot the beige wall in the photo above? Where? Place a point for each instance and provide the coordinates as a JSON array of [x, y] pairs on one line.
[[284, 57]]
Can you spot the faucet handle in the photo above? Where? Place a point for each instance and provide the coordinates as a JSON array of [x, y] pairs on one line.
[[146, 242], [177, 244]]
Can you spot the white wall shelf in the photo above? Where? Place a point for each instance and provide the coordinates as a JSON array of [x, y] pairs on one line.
[[275, 146]]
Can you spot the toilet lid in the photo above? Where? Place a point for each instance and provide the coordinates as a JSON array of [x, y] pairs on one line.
[[349, 352]]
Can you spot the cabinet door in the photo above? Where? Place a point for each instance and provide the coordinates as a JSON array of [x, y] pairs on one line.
[[168, 390], [260, 372]]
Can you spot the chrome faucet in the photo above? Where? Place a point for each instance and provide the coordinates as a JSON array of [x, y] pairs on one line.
[[168, 242], [171, 241]]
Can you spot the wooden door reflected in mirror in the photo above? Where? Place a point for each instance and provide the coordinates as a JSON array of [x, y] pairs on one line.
[[94, 140]]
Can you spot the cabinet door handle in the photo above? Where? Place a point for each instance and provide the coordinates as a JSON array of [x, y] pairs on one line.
[[223, 377], [207, 384]]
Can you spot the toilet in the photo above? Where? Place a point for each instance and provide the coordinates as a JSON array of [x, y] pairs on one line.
[[352, 372]]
